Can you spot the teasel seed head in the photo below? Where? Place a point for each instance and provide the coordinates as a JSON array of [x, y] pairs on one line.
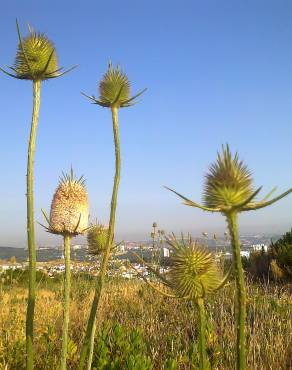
[[194, 272], [228, 188], [114, 88], [36, 58], [228, 182], [69, 210], [96, 238]]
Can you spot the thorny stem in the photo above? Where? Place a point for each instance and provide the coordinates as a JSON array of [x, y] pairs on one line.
[[67, 283], [240, 290], [202, 335], [30, 226], [89, 336]]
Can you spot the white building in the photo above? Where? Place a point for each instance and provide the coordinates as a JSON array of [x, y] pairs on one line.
[[260, 247]]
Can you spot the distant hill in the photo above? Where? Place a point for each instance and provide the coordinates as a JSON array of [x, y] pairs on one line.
[[43, 255]]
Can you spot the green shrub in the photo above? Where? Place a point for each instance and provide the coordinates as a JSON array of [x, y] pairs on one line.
[[117, 348], [281, 251]]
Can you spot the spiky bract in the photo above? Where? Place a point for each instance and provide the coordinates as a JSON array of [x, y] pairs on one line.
[[36, 58], [69, 209], [194, 272], [97, 238], [114, 88], [228, 182]]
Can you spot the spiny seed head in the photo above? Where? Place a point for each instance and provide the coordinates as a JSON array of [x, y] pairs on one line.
[[97, 238], [36, 58], [114, 88], [228, 182], [193, 271], [69, 209]]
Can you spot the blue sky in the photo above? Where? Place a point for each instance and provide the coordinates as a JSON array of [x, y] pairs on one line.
[[216, 72]]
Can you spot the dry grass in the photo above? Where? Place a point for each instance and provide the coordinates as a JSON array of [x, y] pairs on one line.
[[168, 327]]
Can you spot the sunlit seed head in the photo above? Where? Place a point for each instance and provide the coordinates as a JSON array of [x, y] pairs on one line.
[[193, 271], [228, 182], [96, 239], [114, 84], [69, 209], [36, 58]]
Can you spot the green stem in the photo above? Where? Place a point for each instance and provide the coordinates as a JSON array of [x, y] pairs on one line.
[[89, 338], [90, 356], [202, 335], [240, 291], [30, 226], [67, 282]]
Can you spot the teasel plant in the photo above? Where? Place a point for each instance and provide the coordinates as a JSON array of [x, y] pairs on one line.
[[192, 276], [96, 239], [68, 217], [36, 60], [229, 191], [114, 93]]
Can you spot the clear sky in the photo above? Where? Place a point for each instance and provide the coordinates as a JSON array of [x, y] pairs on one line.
[[216, 72]]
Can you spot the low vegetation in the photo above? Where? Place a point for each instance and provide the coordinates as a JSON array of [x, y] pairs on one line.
[[142, 330]]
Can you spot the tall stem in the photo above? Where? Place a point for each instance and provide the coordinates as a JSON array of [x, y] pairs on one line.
[[30, 225], [67, 283], [240, 291], [89, 336], [202, 335]]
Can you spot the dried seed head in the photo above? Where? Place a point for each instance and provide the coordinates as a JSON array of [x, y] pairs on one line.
[[69, 209], [96, 239], [193, 272], [36, 58], [228, 182], [114, 88]]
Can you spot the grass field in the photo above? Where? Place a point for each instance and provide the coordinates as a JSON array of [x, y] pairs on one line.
[[142, 330]]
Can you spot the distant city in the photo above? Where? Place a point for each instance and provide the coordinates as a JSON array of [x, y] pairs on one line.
[[80, 252]]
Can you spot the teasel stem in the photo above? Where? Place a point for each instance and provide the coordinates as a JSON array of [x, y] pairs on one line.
[[90, 356], [240, 290], [67, 284], [30, 225], [202, 334], [89, 336]]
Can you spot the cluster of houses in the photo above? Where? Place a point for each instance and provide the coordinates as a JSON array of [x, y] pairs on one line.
[[117, 267]]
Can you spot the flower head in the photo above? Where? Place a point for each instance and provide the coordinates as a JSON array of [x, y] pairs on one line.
[[194, 272], [228, 187], [228, 182], [96, 238], [36, 58], [114, 90], [69, 209]]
